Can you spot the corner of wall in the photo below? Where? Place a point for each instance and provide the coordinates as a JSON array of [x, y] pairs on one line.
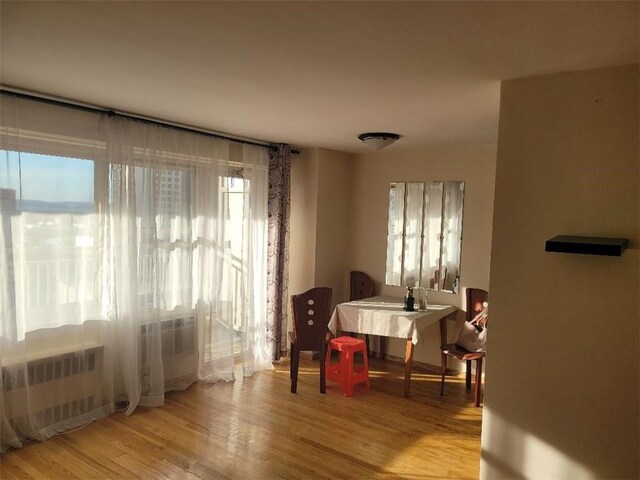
[[564, 328]]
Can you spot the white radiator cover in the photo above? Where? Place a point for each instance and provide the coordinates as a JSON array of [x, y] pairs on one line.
[[57, 385], [178, 338], [67, 382]]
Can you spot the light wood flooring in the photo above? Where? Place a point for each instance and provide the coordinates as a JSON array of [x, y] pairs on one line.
[[255, 428]]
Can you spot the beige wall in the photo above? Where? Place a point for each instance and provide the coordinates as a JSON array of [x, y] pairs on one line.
[[302, 224], [320, 192], [562, 383], [333, 218], [372, 174]]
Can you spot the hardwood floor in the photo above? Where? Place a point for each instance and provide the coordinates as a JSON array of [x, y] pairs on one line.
[[255, 428]]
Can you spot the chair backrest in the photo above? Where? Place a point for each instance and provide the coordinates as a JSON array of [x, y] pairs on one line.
[[311, 312], [475, 299], [361, 286]]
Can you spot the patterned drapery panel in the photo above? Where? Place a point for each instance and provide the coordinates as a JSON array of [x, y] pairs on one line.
[[278, 249]]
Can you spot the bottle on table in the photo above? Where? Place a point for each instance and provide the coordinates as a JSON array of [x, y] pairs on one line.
[[409, 300]]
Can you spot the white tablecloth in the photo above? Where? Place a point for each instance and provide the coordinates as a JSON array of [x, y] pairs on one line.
[[384, 316]]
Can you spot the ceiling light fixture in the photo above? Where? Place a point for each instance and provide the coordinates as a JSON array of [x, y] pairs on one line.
[[378, 140]]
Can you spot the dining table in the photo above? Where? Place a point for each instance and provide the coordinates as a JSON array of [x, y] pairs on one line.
[[385, 316]]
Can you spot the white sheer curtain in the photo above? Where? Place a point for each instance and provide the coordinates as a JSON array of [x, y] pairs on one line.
[[132, 262]]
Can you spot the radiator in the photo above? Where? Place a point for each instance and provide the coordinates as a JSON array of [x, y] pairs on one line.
[[177, 336], [54, 386], [178, 339], [68, 382]]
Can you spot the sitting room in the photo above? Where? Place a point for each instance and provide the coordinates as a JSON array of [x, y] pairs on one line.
[[259, 240]]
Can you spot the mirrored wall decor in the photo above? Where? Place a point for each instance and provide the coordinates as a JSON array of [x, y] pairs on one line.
[[425, 235]]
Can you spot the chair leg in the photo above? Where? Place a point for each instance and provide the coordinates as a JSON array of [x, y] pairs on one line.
[[468, 379], [295, 358], [323, 378], [366, 339], [443, 362], [478, 386], [291, 357]]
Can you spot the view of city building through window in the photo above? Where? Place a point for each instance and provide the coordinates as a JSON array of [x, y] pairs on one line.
[[51, 226], [49, 229]]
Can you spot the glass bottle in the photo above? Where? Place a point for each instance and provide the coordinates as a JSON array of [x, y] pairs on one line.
[[409, 300]]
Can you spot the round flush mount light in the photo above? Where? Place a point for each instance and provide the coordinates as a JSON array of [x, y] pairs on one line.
[[378, 140]]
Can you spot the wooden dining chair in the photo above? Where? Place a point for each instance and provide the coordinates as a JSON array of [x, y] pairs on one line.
[[361, 287], [476, 297], [311, 312]]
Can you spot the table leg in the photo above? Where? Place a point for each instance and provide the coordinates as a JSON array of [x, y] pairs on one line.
[[408, 360], [383, 348]]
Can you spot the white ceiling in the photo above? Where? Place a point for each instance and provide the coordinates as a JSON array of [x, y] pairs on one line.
[[309, 73]]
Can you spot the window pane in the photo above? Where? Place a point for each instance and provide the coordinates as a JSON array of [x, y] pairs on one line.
[[45, 183], [49, 232], [163, 216]]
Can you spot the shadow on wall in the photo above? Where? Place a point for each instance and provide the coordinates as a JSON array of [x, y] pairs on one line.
[[529, 456]]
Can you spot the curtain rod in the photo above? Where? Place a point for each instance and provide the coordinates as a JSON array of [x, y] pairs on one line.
[[164, 123]]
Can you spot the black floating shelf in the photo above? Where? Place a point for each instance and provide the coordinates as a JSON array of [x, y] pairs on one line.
[[612, 247]]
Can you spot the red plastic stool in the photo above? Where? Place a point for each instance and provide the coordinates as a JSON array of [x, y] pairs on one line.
[[345, 372]]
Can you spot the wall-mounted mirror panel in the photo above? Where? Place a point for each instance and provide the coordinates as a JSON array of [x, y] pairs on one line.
[[413, 226], [395, 234], [432, 234], [425, 235]]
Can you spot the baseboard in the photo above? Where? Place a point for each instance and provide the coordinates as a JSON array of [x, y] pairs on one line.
[[423, 366]]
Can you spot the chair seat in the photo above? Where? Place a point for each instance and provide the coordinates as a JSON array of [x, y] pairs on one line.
[[292, 336], [461, 353]]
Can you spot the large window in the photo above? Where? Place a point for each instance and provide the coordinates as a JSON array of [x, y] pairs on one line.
[[54, 249], [142, 241]]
